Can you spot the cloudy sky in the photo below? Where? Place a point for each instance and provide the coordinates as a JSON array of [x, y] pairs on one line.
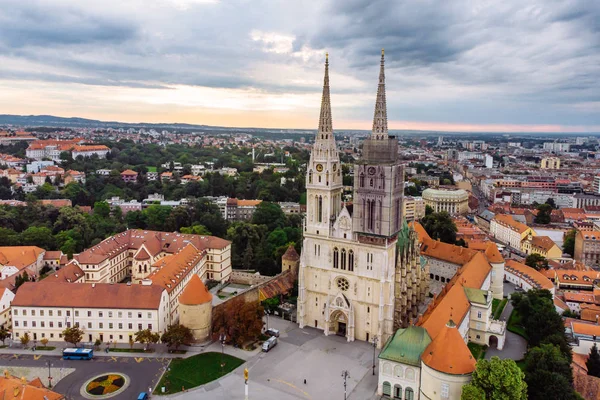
[[511, 65]]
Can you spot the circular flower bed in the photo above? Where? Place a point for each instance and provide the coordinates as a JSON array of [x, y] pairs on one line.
[[105, 384]]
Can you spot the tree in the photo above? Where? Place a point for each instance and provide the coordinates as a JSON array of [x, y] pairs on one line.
[[269, 214], [44, 341], [73, 335], [593, 362], [196, 229], [240, 321], [25, 339], [176, 335], [543, 215], [428, 210], [536, 261], [548, 374], [539, 315], [496, 379], [550, 201], [569, 242], [4, 334], [102, 209], [21, 279], [440, 226], [131, 342]]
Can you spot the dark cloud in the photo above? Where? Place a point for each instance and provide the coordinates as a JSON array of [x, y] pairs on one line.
[[24, 23], [463, 59]]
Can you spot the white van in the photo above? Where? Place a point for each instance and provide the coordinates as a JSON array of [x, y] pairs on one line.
[[269, 344]]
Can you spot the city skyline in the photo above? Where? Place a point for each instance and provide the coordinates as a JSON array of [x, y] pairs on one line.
[[458, 67]]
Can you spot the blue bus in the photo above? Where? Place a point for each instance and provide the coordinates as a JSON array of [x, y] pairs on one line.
[[78, 354]]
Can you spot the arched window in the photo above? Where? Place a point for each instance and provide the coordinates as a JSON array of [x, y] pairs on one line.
[[398, 392], [387, 369], [410, 374], [327, 178], [336, 258], [371, 182], [382, 181], [398, 373], [350, 260], [362, 180], [319, 178], [145, 268], [310, 176], [409, 394], [387, 389], [343, 258]]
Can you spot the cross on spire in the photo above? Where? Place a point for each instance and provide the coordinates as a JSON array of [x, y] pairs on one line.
[[380, 126], [325, 125]]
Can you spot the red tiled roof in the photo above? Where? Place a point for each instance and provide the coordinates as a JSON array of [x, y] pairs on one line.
[[85, 295], [195, 292], [448, 352]]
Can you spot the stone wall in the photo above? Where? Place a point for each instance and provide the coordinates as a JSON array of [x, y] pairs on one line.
[[248, 278]]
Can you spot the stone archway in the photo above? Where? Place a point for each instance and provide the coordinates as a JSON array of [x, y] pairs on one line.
[[339, 323], [493, 342]]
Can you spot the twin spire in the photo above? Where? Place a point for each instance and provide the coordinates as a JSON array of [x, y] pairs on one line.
[[325, 125], [380, 126]]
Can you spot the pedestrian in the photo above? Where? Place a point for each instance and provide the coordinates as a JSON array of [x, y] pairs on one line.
[[305, 381]]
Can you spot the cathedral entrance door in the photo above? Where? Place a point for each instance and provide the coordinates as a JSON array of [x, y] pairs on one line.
[[341, 329]]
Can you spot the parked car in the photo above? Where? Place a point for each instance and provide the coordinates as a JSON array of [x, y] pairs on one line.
[[142, 396], [272, 332], [269, 344]]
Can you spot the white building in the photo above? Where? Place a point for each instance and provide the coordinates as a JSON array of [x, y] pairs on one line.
[[111, 313], [350, 282]]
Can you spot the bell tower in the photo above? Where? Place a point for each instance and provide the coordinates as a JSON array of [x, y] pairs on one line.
[[323, 174], [378, 176]]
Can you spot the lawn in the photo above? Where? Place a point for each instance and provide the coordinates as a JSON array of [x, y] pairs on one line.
[[514, 325], [477, 350], [151, 169], [498, 307], [197, 370], [45, 348], [121, 350]]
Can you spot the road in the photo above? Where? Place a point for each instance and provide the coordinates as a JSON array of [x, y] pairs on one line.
[[143, 372]]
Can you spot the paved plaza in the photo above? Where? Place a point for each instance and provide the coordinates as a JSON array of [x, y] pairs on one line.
[[301, 354]]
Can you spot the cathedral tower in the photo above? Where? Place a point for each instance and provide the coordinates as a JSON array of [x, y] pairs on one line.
[[378, 176], [323, 175]]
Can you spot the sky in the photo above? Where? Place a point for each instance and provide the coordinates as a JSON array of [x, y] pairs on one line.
[[460, 65]]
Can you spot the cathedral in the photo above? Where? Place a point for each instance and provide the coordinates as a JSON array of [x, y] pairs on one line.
[[361, 274]]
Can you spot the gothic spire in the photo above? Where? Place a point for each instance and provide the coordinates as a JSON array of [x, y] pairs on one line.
[[325, 125], [380, 127]]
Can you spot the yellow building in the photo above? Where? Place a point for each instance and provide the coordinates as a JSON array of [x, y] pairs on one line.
[[413, 208], [550, 163], [541, 245]]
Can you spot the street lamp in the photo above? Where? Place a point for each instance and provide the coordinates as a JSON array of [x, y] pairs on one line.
[[222, 338], [49, 364], [345, 375], [374, 347], [267, 314]]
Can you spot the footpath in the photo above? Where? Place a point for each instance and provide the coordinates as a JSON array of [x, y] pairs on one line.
[[159, 350]]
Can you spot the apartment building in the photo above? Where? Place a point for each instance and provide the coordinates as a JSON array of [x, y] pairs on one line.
[[413, 208], [110, 313], [240, 210], [504, 228], [587, 248]]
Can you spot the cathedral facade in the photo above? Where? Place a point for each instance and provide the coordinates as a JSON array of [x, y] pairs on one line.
[[361, 275]]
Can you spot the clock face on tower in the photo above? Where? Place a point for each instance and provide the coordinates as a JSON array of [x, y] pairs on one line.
[[371, 170], [319, 167]]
